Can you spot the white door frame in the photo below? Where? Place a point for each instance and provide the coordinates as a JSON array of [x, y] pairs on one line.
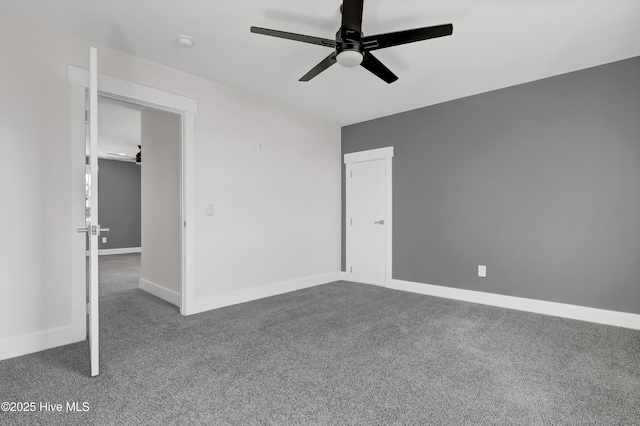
[[135, 93], [358, 157]]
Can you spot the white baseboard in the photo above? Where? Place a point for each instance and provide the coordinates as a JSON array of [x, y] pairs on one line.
[[36, 342], [249, 294], [344, 276], [583, 313], [126, 250], [161, 292]]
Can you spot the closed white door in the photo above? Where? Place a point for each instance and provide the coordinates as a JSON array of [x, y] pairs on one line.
[[367, 221]]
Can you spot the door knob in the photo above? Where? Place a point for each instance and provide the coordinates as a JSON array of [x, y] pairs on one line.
[[379, 222], [93, 230]]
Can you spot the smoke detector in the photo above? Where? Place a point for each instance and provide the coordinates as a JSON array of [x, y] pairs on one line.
[[185, 41]]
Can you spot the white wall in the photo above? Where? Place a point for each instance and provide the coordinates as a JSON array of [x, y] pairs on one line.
[[160, 199], [277, 204], [36, 180], [281, 203]]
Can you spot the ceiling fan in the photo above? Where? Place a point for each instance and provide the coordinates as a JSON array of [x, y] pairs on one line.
[[352, 48]]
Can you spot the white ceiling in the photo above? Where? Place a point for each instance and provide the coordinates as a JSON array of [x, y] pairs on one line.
[[119, 129], [495, 44]]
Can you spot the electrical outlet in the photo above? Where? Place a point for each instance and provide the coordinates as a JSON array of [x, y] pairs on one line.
[[482, 271], [104, 240], [210, 209]]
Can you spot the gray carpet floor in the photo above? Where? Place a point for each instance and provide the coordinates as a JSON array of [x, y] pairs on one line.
[[336, 354]]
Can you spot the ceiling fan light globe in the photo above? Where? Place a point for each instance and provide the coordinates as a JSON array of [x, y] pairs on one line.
[[349, 58]]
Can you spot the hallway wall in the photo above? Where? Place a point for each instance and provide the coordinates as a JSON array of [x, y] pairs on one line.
[[161, 202]]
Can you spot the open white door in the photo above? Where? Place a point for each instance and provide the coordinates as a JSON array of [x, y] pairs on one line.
[[92, 225]]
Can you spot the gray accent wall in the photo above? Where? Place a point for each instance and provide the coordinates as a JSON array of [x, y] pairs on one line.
[[540, 182], [119, 203]]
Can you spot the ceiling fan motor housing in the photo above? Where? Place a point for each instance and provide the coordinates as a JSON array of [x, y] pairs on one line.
[[349, 53]]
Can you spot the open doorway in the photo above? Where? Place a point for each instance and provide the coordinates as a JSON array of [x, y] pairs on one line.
[[139, 200], [84, 111], [186, 109]]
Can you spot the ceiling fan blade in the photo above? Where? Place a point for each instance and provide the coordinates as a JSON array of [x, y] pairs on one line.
[[293, 36], [381, 41], [372, 64], [326, 63], [352, 15], [120, 155]]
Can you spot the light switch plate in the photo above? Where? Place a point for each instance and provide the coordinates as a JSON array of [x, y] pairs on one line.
[[209, 209], [482, 271]]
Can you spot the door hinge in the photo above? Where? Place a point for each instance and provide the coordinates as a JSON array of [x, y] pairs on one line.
[[88, 308], [351, 222], [351, 269], [185, 223], [86, 116]]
